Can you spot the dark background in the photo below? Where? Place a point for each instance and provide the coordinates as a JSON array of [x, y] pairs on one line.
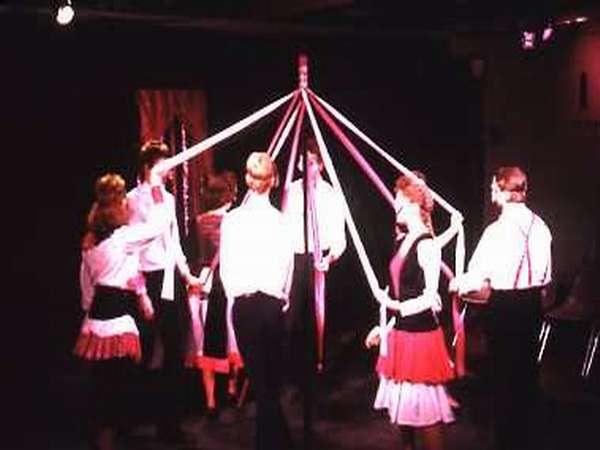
[[69, 114], [81, 120]]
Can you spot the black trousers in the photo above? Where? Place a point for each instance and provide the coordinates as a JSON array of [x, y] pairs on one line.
[[513, 325], [301, 339], [258, 321], [163, 388]]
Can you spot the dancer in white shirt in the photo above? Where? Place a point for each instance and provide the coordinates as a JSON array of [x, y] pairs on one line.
[[256, 266], [306, 317], [110, 280], [163, 341], [509, 270]]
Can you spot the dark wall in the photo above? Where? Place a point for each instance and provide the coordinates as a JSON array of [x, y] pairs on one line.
[[72, 116], [537, 116]]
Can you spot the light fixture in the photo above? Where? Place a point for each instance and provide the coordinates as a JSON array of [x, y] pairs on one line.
[[547, 33], [528, 40], [65, 13]]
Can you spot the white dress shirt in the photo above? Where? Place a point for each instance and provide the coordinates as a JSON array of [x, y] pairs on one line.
[[501, 254], [330, 218], [256, 252], [165, 252]]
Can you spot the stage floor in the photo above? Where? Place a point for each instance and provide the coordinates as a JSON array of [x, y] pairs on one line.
[[569, 414]]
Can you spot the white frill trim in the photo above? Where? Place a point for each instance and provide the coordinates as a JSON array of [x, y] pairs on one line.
[[417, 405], [110, 327]]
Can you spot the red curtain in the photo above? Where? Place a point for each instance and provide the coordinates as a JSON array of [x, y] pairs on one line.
[[160, 108], [162, 115]]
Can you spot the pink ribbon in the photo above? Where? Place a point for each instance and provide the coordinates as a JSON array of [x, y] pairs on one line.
[[319, 276], [293, 153], [284, 120], [396, 263], [362, 163]]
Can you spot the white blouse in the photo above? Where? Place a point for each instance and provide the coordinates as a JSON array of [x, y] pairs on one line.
[[115, 260]]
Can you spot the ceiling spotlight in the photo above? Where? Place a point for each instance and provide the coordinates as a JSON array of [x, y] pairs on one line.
[[65, 13], [547, 33], [581, 19], [528, 40]]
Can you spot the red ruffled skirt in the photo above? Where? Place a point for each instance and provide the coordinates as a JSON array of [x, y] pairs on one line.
[[92, 347], [417, 357]]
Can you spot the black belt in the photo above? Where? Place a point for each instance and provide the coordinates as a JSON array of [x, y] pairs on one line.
[[259, 295], [517, 294], [423, 321], [110, 302]]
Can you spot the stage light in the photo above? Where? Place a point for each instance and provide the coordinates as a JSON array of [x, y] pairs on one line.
[[547, 33], [581, 19], [65, 13], [528, 40]]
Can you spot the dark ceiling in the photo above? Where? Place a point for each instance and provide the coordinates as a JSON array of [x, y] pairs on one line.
[[325, 16]]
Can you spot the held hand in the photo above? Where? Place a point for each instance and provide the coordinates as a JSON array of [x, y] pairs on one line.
[[480, 296], [145, 307], [193, 282], [323, 264], [194, 290], [373, 338]]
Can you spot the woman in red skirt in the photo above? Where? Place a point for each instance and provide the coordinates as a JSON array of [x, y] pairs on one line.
[[112, 288], [211, 338], [417, 365]]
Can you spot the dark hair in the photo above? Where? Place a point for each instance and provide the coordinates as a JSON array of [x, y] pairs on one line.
[[151, 152], [220, 189], [311, 146], [514, 180], [108, 212]]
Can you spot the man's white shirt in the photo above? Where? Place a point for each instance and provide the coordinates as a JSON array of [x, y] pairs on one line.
[[501, 255], [256, 252], [330, 218], [165, 252]]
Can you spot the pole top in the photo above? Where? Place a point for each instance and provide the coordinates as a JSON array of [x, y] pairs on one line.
[[302, 71]]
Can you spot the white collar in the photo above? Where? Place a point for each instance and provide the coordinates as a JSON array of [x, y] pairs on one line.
[[514, 210], [256, 200]]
